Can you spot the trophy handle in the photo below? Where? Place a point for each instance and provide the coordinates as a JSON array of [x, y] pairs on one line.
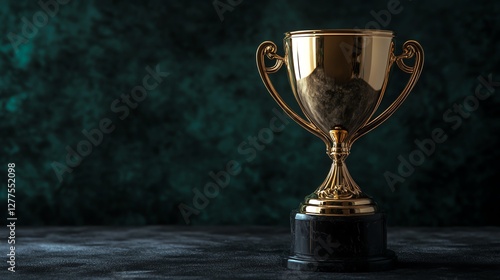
[[269, 49], [410, 48]]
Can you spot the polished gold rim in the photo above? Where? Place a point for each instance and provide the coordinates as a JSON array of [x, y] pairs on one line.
[[358, 32], [338, 202]]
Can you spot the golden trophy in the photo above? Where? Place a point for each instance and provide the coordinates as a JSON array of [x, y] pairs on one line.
[[338, 78]]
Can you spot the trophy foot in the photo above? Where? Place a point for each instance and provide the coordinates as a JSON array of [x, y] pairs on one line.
[[314, 205], [339, 243]]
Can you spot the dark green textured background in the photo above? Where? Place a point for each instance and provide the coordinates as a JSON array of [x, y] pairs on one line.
[[64, 79]]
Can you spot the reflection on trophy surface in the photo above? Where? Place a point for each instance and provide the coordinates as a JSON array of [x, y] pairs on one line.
[[338, 78]]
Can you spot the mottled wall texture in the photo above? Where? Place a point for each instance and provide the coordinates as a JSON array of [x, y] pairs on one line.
[[120, 112]]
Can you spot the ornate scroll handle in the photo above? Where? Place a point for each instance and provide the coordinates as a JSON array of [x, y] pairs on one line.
[[410, 48], [269, 49]]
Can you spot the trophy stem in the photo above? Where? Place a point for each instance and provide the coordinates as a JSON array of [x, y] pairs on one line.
[[338, 195], [339, 183]]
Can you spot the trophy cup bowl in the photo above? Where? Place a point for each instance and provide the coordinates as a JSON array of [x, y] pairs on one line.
[[338, 78]]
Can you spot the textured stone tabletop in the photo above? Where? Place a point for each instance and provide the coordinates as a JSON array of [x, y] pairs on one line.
[[167, 252]]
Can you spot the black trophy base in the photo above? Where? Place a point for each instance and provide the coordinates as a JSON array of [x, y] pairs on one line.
[[339, 244]]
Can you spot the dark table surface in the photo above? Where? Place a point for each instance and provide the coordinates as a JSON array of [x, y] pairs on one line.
[[167, 252]]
